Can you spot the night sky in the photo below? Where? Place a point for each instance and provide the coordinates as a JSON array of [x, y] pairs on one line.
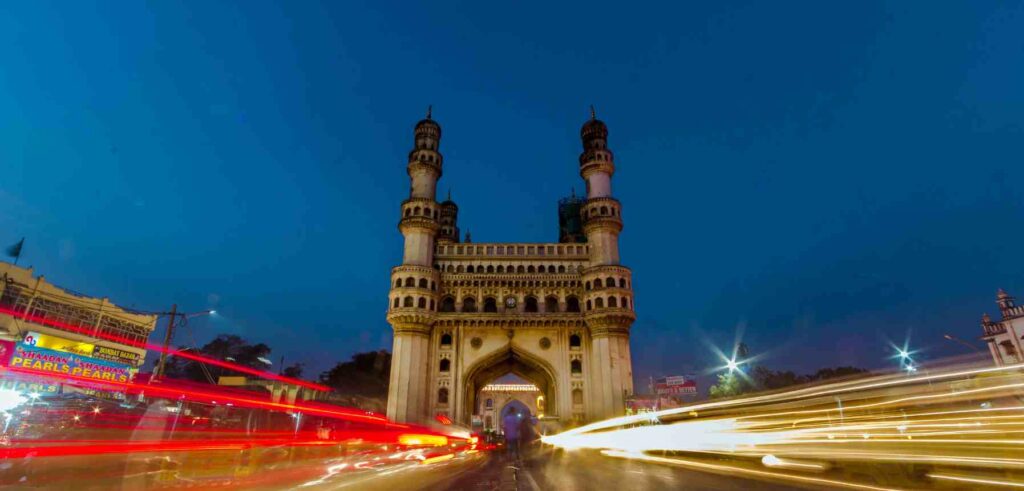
[[824, 178]]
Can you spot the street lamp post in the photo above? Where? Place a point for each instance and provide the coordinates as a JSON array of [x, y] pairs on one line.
[[961, 341], [172, 315]]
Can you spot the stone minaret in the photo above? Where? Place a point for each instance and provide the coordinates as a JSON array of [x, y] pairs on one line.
[[413, 299], [608, 285], [449, 221]]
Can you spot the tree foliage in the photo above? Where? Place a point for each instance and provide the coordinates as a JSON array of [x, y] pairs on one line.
[[366, 374], [761, 378], [294, 370], [227, 347]]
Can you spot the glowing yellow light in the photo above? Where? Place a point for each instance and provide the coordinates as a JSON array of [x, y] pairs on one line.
[[440, 458], [417, 439]]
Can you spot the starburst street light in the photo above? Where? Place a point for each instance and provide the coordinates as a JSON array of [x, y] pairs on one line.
[[732, 365]]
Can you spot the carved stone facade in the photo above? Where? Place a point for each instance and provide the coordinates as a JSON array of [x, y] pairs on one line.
[[464, 314], [1004, 337]]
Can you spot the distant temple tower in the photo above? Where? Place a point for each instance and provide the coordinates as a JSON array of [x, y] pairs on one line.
[[556, 314], [1004, 336]]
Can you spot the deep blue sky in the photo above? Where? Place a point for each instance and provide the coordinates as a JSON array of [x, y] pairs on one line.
[[824, 176]]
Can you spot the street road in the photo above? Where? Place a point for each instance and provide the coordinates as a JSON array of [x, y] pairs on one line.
[[585, 470]]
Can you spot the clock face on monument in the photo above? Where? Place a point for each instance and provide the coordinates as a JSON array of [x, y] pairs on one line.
[[510, 302]]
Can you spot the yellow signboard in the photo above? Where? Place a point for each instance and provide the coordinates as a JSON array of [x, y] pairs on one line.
[[59, 344]]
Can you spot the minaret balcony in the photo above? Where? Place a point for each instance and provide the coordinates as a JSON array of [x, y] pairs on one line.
[[421, 207], [410, 317], [611, 223], [417, 166], [588, 167], [606, 322]]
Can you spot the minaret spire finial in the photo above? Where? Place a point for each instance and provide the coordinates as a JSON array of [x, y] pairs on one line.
[[429, 110], [593, 114]]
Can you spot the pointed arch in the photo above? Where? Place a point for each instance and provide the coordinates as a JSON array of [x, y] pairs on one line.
[[508, 359]]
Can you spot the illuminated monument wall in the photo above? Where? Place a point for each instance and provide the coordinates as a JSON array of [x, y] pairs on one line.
[[464, 314]]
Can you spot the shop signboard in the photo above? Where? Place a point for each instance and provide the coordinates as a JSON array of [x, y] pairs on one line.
[[56, 343], [675, 386], [47, 361]]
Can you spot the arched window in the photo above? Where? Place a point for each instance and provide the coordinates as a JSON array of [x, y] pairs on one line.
[[572, 304], [469, 269], [431, 304], [520, 269], [541, 269], [489, 403], [530, 305], [446, 339], [586, 285], [530, 269], [610, 282], [577, 397], [1008, 348], [407, 302], [469, 304], [442, 395], [450, 269], [561, 269], [422, 303], [426, 211], [446, 365], [398, 283], [459, 269], [447, 304], [551, 304], [410, 282], [398, 302], [423, 283], [613, 302], [622, 282], [574, 341], [589, 305], [576, 366], [501, 269], [416, 211], [604, 210], [408, 211], [490, 269], [490, 304], [599, 302], [433, 286], [625, 303]]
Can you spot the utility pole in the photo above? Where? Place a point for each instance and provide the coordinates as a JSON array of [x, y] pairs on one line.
[[167, 342]]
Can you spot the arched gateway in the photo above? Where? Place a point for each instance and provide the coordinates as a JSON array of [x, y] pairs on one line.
[[555, 314]]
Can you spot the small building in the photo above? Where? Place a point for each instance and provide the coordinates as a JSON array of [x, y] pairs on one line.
[[36, 315], [1004, 336], [496, 398]]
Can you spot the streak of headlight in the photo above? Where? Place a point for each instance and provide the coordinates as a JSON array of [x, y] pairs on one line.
[[810, 392], [978, 480], [440, 458], [733, 470]]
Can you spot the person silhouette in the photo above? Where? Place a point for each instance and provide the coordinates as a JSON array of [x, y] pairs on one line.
[[510, 426]]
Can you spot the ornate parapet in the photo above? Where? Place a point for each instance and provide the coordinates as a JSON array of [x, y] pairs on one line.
[[509, 321]]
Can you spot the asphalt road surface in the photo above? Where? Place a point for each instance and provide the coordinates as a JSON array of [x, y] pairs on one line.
[[556, 470]]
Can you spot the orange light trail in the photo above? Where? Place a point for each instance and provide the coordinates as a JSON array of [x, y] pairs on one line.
[[963, 424]]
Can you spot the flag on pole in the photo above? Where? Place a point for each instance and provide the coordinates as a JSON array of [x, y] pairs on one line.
[[15, 250]]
